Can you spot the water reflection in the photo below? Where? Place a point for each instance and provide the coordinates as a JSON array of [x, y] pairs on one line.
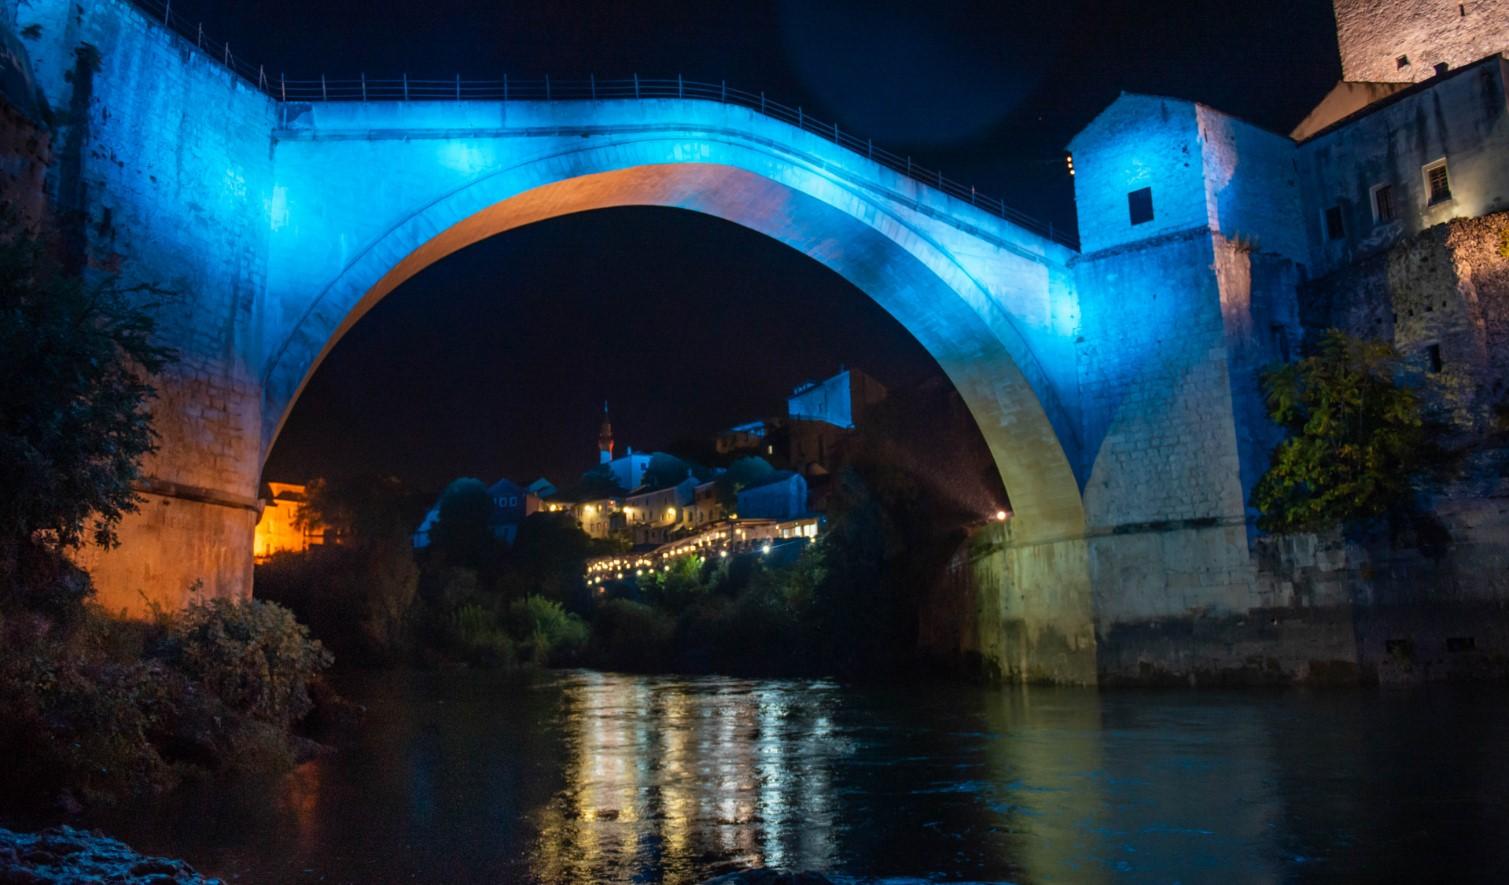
[[666, 775], [592, 777]]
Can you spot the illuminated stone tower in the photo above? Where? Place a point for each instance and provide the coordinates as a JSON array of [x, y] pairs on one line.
[[605, 438]]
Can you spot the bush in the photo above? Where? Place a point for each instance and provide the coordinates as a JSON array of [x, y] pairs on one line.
[[474, 632], [81, 728], [356, 600], [252, 654], [630, 636], [548, 633]]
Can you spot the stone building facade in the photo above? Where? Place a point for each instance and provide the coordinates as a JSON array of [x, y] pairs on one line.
[[1402, 41], [1211, 249]]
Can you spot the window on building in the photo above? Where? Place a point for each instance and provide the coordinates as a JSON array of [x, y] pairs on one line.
[[1383, 203], [1140, 205], [1437, 183], [1335, 229], [1433, 353], [1401, 62]]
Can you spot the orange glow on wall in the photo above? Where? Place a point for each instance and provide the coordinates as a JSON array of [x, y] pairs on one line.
[[279, 530]]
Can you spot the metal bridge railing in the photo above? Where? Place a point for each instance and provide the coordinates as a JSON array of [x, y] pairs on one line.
[[504, 88]]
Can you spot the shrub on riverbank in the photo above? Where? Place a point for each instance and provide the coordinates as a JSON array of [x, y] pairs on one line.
[[98, 709]]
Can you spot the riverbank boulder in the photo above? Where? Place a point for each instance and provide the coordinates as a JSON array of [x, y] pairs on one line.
[[64, 854]]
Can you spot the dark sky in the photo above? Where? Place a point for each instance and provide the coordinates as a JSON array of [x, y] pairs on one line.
[[494, 361]]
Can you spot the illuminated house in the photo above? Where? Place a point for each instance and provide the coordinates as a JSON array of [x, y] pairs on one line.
[[705, 507], [279, 529], [601, 517], [781, 496], [653, 515], [822, 416], [748, 437]]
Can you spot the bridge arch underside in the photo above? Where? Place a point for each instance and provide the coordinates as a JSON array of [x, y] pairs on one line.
[[1044, 596]]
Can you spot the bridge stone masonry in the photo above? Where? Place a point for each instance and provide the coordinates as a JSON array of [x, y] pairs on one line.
[[1115, 387]]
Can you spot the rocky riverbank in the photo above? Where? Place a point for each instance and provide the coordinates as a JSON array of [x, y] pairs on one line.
[[64, 854]]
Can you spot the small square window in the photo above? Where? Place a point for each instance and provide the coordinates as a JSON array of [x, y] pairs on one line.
[[1140, 205], [1335, 229], [1383, 203], [1401, 62], [1437, 183]]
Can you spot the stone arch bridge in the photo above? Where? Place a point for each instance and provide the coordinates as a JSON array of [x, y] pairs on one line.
[[285, 221]]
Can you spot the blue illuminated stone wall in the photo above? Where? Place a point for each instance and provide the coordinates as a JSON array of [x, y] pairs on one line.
[[163, 172]]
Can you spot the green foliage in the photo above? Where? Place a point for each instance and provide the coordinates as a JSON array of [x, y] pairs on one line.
[[474, 631], [631, 636], [101, 709], [252, 654], [548, 558], [75, 359], [677, 588], [357, 598], [596, 483], [80, 725], [547, 632], [363, 510], [741, 474], [1355, 437], [665, 470], [1504, 243]]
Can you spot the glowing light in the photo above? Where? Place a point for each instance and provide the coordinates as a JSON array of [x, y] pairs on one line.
[[1001, 515], [765, 549]]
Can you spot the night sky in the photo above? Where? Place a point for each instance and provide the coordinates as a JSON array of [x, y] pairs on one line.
[[496, 360]]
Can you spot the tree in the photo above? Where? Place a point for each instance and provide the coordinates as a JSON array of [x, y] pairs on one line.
[[464, 533], [1355, 437], [548, 559], [740, 475], [76, 359], [361, 510], [665, 470]]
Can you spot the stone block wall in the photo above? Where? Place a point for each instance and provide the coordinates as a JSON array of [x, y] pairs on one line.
[[163, 174], [1139, 141], [1373, 34]]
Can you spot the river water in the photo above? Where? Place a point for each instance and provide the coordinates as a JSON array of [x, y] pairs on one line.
[[594, 777]]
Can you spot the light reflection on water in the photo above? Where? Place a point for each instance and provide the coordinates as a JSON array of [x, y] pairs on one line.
[[593, 777], [664, 775]]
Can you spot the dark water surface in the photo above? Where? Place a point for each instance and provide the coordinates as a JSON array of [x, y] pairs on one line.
[[594, 777]]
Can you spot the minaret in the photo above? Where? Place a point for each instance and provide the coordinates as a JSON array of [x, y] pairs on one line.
[[605, 438]]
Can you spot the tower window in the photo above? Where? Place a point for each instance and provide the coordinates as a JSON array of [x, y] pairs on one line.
[[1140, 205], [1433, 353], [1335, 229], [1383, 203], [1437, 183], [1401, 62]]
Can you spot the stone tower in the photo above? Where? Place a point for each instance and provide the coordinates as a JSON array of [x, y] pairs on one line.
[[605, 438], [1402, 41]]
